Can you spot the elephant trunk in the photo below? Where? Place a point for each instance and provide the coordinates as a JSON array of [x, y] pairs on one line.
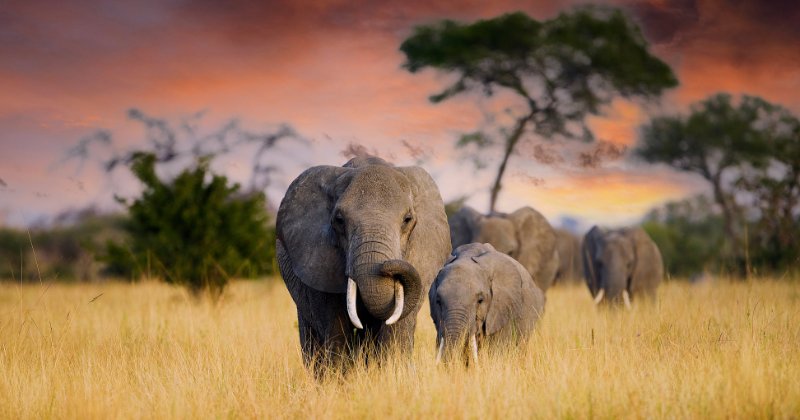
[[613, 282], [390, 288], [456, 335]]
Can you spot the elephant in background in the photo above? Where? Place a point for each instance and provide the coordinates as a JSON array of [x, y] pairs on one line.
[[482, 296], [525, 235], [570, 268], [358, 247], [621, 265]]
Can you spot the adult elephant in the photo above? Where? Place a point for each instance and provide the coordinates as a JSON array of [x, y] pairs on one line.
[[482, 297], [570, 269], [620, 265], [358, 247], [524, 235]]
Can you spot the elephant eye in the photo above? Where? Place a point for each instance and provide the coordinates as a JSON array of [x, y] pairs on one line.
[[408, 218], [338, 219]]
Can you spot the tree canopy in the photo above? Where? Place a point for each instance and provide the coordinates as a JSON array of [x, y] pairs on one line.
[[562, 69], [747, 151]]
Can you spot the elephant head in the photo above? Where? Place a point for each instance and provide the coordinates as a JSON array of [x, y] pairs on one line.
[[500, 232], [476, 295], [620, 263], [525, 235], [372, 230]]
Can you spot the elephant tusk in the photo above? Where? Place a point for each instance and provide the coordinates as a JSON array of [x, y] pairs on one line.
[[398, 303], [599, 297], [352, 290], [627, 298], [474, 344], [441, 350]]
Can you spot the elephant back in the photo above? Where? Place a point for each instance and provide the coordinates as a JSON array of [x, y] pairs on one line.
[[463, 226], [537, 245]]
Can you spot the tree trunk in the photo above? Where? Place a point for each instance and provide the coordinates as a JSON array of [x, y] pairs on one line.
[[511, 144], [729, 218]]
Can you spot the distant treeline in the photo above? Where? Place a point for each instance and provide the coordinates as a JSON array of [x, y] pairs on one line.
[[691, 236], [76, 247], [67, 249]]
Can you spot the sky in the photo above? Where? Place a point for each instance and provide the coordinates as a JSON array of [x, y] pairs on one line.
[[331, 69]]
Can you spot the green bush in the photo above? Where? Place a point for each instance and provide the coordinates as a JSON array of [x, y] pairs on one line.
[[689, 234], [195, 230]]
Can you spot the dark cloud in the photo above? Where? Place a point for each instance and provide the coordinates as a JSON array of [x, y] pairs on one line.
[[739, 46], [663, 21], [733, 29], [355, 150], [602, 152]]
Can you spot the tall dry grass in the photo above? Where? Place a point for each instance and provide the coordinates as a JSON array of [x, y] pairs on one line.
[[149, 350]]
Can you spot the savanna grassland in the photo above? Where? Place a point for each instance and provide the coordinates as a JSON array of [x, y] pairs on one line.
[[116, 350]]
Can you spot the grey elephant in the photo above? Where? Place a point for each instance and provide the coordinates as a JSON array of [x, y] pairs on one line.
[[358, 247], [621, 265], [570, 267], [525, 235], [482, 296]]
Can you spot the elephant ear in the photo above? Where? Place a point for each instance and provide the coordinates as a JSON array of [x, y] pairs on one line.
[[507, 279], [429, 243], [648, 268], [537, 245], [591, 242], [303, 228], [463, 226]]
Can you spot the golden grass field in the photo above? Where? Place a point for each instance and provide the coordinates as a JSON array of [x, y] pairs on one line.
[[148, 350]]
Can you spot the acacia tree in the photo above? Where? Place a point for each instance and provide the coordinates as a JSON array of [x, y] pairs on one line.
[[732, 146], [561, 70], [774, 190]]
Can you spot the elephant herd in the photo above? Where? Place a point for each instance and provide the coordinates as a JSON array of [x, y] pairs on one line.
[[359, 246]]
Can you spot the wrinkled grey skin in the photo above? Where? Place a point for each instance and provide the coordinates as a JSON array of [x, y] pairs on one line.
[[370, 221], [621, 259], [484, 293], [525, 235], [570, 265]]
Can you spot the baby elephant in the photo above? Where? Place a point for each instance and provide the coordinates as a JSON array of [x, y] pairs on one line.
[[482, 296]]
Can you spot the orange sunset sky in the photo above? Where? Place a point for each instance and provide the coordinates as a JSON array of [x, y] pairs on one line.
[[331, 69]]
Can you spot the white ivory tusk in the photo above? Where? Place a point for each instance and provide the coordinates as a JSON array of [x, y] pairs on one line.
[[599, 297], [441, 350], [398, 303], [352, 290], [627, 298], [474, 344]]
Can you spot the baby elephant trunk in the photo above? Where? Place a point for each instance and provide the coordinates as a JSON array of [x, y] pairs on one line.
[[390, 290], [456, 339]]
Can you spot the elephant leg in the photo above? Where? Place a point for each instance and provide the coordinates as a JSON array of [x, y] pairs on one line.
[[399, 335], [321, 318], [324, 337], [309, 343]]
